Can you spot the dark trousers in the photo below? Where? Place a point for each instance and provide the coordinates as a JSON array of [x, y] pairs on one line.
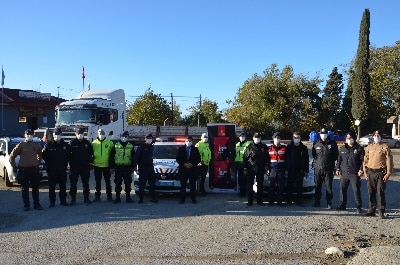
[[123, 173], [242, 181], [186, 174], [250, 181], [355, 181], [295, 185], [147, 175], [376, 185], [84, 172], [276, 181], [30, 176], [321, 176], [99, 172], [203, 169], [60, 178]]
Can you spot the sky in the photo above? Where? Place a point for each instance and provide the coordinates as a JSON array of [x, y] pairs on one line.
[[191, 49]]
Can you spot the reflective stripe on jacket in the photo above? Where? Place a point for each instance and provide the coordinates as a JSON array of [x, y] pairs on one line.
[[123, 154], [101, 152]]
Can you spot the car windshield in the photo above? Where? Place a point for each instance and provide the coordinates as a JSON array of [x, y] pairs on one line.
[[68, 116], [165, 151]]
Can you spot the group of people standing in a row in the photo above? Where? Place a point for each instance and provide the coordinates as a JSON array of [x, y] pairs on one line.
[[351, 162]]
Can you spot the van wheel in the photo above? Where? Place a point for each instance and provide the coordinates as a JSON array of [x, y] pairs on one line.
[[8, 182]]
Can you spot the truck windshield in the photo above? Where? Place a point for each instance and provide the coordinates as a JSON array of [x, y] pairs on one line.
[[68, 116]]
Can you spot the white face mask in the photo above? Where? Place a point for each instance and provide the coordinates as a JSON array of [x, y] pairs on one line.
[[149, 141], [102, 137], [377, 139], [349, 141], [323, 136], [29, 137], [79, 136], [256, 140], [205, 140], [124, 139], [57, 137], [296, 140], [242, 138], [188, 144], [277, 141]]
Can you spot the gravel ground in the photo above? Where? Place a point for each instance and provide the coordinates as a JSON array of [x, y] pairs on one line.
[[220, 229]]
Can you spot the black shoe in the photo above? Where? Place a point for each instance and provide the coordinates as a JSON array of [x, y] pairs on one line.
[[289, 203], [38, 207], [280, 204], [117, 200], [241, 195], [64, 204], [194, 201], [87, 201], [341, 207], [270, 204], [260, 203], [370, 213], [26, 208], [381, 215], [154, 200], [97, 199], [140, 200], [72, 202], [129, 200], [110, 199], [52, 205], [181, 201], [359, 210], [316, 204], [202, 194]]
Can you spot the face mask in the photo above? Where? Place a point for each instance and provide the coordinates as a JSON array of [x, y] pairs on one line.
[[296, 140], [29, 138], [102, 137], [57, 137], [79, 136], [242, 138], [204, 140], [149, 141], [188, 144], [349, 141], [256, 140], [377, 139], [124, 139], [276, 141], [324, 136]]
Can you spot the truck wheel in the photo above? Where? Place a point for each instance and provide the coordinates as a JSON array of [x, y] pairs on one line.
[[8, 182]]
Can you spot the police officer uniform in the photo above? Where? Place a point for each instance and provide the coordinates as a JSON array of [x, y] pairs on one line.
[[350, 167], [56, 154], [255, 162], [121, 161], [240, 149], [378, 166], [30, 156], [81, 157], [205, 156], [143, 159]]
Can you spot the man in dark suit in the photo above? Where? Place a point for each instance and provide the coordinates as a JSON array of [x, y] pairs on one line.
[[188, 157]]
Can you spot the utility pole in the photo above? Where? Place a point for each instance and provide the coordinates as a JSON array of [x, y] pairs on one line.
[[198, 114], [172, 109]]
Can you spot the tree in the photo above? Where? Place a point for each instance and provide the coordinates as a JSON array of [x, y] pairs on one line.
[[331, 100], [149, 109], [207, 112], [361, 84]]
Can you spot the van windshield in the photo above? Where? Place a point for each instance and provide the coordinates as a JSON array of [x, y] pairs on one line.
[[70, 116], [165, 151]]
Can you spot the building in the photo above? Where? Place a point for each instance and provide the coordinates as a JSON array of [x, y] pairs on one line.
[[26, 109]]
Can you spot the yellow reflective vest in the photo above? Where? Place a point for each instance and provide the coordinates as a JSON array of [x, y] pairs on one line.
[[101, 152], [123, 154], [240, 149], [205, 152]]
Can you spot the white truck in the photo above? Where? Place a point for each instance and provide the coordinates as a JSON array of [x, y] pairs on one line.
[[106, 109]]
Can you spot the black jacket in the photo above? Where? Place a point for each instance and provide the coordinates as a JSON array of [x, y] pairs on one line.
[[350, 159], [81, 153], [181, 157], [325, 154], [256, 157], [297, 157], [56, 155], [143, 156]]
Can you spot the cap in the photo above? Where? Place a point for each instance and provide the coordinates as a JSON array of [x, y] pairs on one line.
[[257, 135], [57, 131], [149, 135], [242, 134], [323, 131], [276, 134], [79, 130], [352, 135], [126, 133], [204, 135], [377, 132], [101, 131], [28, 131]]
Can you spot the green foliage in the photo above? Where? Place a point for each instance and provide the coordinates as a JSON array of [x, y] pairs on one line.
[[149, 109], [208, 112], [331, 99], [361, 84]]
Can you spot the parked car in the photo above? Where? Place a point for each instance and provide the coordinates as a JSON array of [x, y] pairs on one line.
[[7, 144], [43, 133], [386, 139], [308, 184], [165, 167]]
